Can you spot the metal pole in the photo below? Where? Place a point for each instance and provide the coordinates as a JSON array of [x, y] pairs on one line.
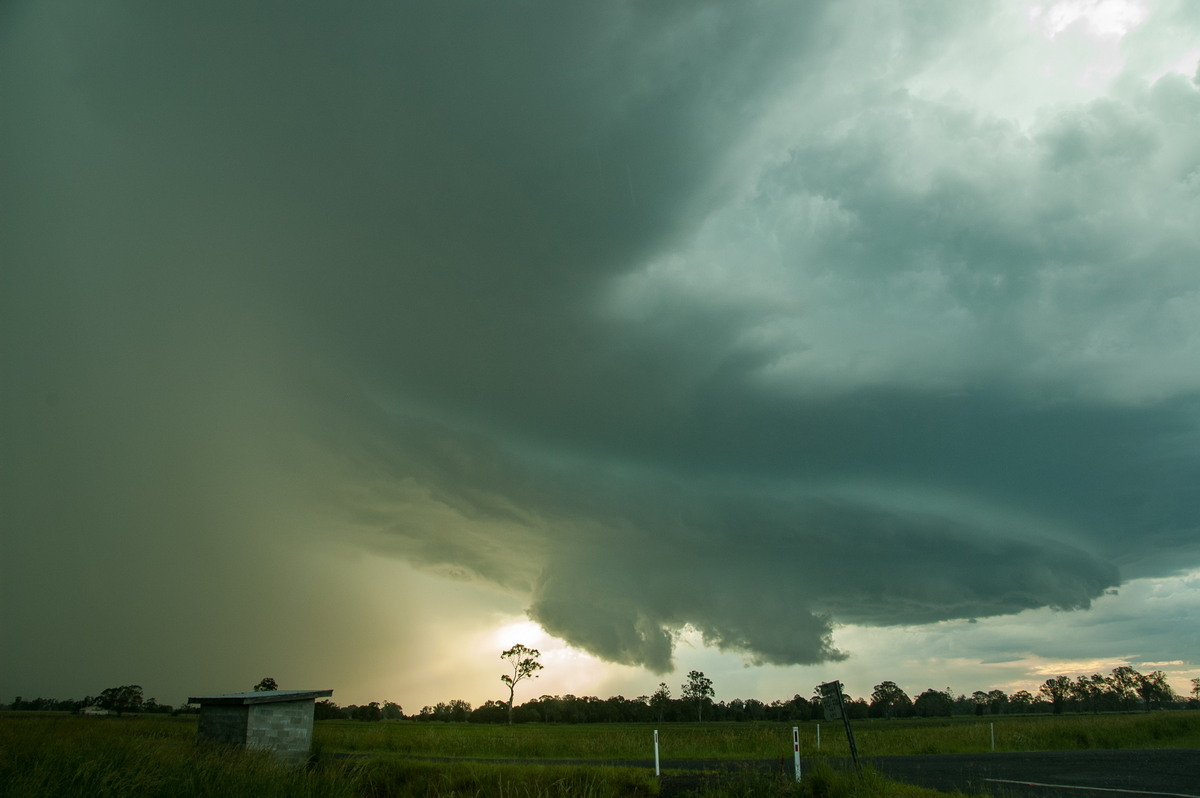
[[849, 732], [796, 748], [657, 772]]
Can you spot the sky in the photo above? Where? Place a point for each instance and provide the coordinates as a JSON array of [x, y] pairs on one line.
[[352, 343]]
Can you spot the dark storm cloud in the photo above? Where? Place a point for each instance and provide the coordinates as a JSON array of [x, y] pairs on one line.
[[654, 315]]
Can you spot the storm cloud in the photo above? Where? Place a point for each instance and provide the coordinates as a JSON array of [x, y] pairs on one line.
[[654, 316]]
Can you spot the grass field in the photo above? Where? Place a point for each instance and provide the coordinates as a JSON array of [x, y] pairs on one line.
[[766, 740], [62, 755]]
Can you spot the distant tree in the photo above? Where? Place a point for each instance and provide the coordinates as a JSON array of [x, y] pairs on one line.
[[1153, 688], [888, 700], [392, 711], [1021, 701], [799, 708], [698, 689], [1056, 691], [460, 711], [661, 700], [1196, 689], [980, 700], [266, 685], [327, 710], [524, 664], [367, 712], [934, 704], [127, 698], [492, 711], [1122, 683], [1087, 690]]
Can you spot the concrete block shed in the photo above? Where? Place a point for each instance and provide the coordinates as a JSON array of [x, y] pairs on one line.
[[274, 720]]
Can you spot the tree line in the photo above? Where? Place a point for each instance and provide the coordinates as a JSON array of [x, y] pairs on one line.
[[1122, 690]]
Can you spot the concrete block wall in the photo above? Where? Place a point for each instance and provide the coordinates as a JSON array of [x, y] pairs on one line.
[[224, 724], [285, 728], [280, 721]]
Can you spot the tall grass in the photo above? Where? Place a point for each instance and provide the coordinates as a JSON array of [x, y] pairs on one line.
[[43, 755], [764, 740], [71, 757], [601, 742]]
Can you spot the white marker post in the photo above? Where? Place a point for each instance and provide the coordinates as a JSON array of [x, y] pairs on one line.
[[656, 769], [993, 728], [796, 748], [818, 736]]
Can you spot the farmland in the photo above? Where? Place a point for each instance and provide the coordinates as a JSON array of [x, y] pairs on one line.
[[56, 754]]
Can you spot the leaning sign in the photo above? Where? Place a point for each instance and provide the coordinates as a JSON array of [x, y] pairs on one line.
[[835, 709]]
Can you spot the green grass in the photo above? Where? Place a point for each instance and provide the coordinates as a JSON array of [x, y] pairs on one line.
[[43, 756], [763, 740], [63, 755]]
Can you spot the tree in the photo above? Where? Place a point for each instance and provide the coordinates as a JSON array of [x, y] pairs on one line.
[[698, 688], [1056, 690], [934, 703], [1153, 687], [524, 666], [392, 711], [1021, 701], [1088, 690], [661, 700], [327, 710], [367, 712], [1122, 683], [127, 698], [888, 700], [980, 699], [266, 685]]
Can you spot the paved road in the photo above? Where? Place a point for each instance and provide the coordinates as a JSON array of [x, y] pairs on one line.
[[1157, 773], [1054, 774]]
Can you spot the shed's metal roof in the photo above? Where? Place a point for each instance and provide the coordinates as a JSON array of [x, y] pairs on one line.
[[260, 697]]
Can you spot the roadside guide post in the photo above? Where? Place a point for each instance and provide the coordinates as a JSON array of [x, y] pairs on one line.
[[796, 748], [835, 707], [657, 772]]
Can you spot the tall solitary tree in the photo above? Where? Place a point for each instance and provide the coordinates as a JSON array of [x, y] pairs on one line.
[[266, 685], [524, 666], [698, 688]]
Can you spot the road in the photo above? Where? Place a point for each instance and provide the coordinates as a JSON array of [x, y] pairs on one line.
[[1054, 774]]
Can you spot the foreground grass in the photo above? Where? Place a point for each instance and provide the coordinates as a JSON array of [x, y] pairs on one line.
[[48, 755], [44, 756]]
